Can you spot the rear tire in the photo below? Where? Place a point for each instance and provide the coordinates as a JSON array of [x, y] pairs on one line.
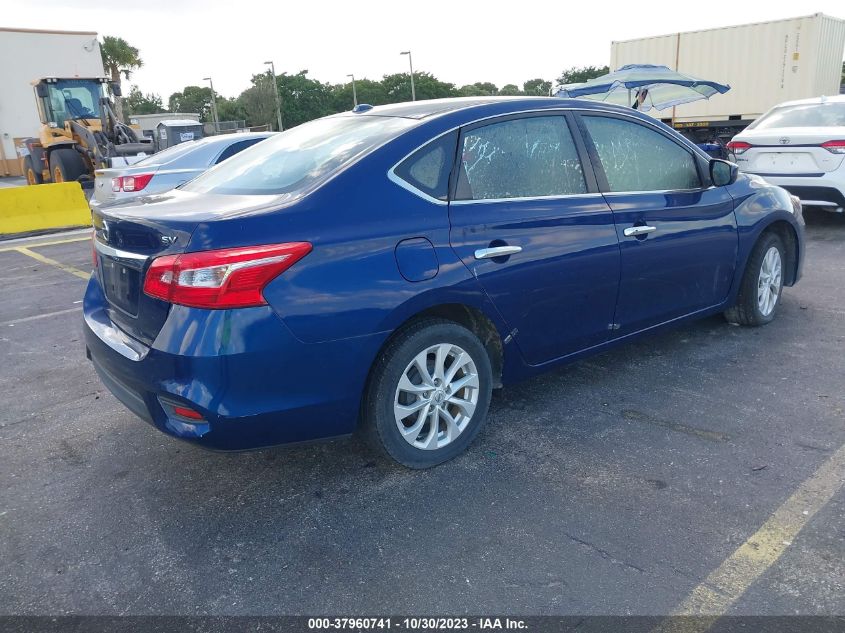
[[428, 394], [762, 284], [33, 175], [66, 165]]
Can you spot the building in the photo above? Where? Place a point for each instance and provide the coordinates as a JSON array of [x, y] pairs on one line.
[[36, 54]]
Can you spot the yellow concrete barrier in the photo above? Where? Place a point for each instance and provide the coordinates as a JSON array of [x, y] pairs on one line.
[[39, 207]]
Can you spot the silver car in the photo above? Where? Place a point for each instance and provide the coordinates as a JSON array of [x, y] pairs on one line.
[[168, 168]]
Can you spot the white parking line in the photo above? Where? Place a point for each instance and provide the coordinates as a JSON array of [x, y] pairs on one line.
[[46, 315]]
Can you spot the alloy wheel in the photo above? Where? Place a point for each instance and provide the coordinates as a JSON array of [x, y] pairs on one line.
[[769, 281], [436, 396]]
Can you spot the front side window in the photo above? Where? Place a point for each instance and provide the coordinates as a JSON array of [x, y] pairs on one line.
[[636, 158], [520, 158], [301, 157]]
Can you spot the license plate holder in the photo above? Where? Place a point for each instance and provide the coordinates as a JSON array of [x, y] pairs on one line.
[[787, 162], [122, 285]]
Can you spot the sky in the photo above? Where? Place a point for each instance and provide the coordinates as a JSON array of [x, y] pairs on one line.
[[460, 41]]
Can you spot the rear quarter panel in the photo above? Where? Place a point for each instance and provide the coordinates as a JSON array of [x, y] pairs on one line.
[[350, 284]]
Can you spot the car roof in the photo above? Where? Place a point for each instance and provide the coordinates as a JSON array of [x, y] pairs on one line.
[[814, 100], [210, 145], [202, 144], [433, 107], [231, 138]]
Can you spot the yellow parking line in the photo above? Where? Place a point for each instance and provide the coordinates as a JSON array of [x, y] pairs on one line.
[[53, 262], [51, 243], [713, 597]]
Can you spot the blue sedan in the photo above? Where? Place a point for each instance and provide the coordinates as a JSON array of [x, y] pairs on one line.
[[385, 269]]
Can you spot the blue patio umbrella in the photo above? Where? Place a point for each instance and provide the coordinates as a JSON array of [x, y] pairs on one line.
[[660, 87]]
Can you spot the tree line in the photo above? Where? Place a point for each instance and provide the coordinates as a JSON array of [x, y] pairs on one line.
[[304, 98]]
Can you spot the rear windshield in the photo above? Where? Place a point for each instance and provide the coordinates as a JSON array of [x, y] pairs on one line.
[[169, 154], [806, 115], [300, 157]]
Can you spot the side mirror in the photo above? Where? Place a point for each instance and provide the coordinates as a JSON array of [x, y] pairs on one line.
[[42, 90], [722, 172], [115, 88]]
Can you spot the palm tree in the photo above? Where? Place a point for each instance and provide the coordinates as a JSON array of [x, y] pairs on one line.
[[119, 58]]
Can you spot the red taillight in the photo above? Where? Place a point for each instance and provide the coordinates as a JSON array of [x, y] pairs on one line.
[[738, 147], [130, 183], [225, 278], [835, 147], [185, 412]]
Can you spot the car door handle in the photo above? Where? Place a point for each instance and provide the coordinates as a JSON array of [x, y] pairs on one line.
[[634, 231], [497, 251]]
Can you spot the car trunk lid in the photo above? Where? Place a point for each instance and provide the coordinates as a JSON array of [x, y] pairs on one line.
[[128, 236], [103, 191], [790, 151]]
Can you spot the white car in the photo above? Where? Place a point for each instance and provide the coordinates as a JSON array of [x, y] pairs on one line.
[[800, 146], [168, 168]]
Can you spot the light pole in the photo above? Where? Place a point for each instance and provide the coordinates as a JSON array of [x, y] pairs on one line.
[[213, 105], [354, 94], [276, 95], [411, 63]]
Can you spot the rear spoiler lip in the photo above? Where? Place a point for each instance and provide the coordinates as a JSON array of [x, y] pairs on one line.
[[129, 170]]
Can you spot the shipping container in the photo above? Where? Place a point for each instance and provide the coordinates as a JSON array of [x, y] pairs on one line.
[[765, 63], [27, 55]]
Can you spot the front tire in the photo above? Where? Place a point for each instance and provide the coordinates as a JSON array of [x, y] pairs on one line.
[[762, 284], [66, 165], [428, 394]]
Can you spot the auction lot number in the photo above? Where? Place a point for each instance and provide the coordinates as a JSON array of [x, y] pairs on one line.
[[415, 624]]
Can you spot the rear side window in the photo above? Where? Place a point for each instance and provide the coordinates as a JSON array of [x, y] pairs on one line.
[[301, 157], [429, 167], [636, 158], [169, 154], [234, 148], [519, 158]]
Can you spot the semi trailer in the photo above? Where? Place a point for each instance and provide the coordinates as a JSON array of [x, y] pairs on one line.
[[765, 63]]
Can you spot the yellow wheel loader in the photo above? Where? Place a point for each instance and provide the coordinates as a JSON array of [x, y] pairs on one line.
[[79, 132]]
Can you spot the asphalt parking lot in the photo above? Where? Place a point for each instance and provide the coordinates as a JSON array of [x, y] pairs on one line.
[[623, 484]]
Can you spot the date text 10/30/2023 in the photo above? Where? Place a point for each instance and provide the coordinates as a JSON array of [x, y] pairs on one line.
[[417, 624]]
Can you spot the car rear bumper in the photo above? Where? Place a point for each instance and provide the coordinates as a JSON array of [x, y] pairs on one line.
[[822, 190], [252, 381]]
